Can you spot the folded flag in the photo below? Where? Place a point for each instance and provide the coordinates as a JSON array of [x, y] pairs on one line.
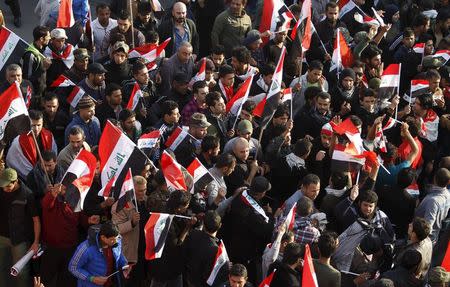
[[276, 17], [390, 81], [364, 19], [149, 140], [306, 26], [290, 218], [419, 48], [12, 48], [126, 192], [446, 262], [268, 280], [309, 277], [234, 106], [62, 82], [220, 260], [149, 52], [345, 158], [66, 56], [201, 74], [172, 172], [135, 96], [418, 87], [389, 124], [178, 138], [105, 191], [345, 6], [75, 96], [156, 230], [200, 173], [13, 108], [65, 15], [342, 54]]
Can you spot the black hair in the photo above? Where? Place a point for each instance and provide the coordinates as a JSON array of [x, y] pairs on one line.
[[324, 96], [315, 65], [39, 32], [368, 196], [144, 8], [238, 270], [209, 142], [249, 106], [152, 37], [331, 5], [177, 199], [35, 115], [432, 73], [50, 96], [125, 114], [108, 229], [408, 32], [225, 160], [406, 177], [310, 178], [137, 66], [302, 147], [267, 69], [218, 50], [327, 244], [167, 107], [442, 177], [48, 155], [371, 51], [111, 88], [292, 253], [212, 98], [420, 20], [124, 15], [426, 101], [304, 206], [212, 221], [281, 111], [339, 179], [101, 6], [198, 85], [225, 70], [311, 92], [421, 228]]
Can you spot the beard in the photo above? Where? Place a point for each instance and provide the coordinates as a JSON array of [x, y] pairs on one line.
[[180, 20]]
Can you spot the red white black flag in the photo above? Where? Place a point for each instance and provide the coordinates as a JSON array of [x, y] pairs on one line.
[[12, 106], [418, 87], [178, 138], [62, 82], [220, 260], [156, 230], [172, 172], [390, 81], [266, 282], [149, 140], [234, 106], [65, 14], [12, 48], [200, 173], [200, 75], [75, 96], [305, 24], [309, 277], [66, 55], [149, 52], [105, 191], [136, 94], [126, 192], [276, 17], [342, 54]]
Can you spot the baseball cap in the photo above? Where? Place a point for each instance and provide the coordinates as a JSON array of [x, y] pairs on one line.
[[7, 176], [120, 46], [245, 127], [438, 275], [58, 33], [96, 68], [199, 120], [80, 54]]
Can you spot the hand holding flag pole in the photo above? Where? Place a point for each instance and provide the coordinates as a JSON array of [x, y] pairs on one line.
[[176, 215]]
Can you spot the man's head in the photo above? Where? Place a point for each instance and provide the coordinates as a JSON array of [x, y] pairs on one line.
[[226, 162], [237, 277], [210, 146], [108, 235], [184, 52], [302, 148], [358, 68], [252, 40], [180, 83], [280, 36], [140, 187], [76, 138], [421, 24], [145, 12], [367, 202], [438, 277], [212, 221], [323, 103], [293, 255], [267, 71], [37, 121], [14, 73], [237, 6], [226, 75], [328, 243], [332, 12], [198, 125], [368, 100], [240, 57], [41, 35], [200, 90], [281, 116], [339, 179], [58, 38], [119, 52], [113, 95], [442, 177], [96, 74], [347, 79], [247, 110], [305, 206], [124, 21], [422, 104], [179, 12], [49, 158], [434, 79], [315, 70], [408, 38], [86, 108], [51, 104], [127, 120], [325, 135], [215, 103], [140, 73], [170, 112], [245, 129], [419, 229], [8, 180], [311, 186], [241, 149], [218, 55], [372, 57], [178, 202], [103, 13], [406, 177], [259, 186]]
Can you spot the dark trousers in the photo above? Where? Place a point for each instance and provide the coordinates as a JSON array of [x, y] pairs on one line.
[[15, 7], [54, 267]]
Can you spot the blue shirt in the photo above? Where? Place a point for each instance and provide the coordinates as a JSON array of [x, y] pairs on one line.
[[391, 179], [179, 38]]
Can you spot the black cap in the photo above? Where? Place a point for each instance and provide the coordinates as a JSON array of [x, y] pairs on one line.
[[96, 68], [181, 78], [260, 184]]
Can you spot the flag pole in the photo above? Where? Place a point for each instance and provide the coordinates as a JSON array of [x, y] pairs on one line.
[[398, 88], [38, 150], [62, 179], [174, 215], [134, 192], [132, 23]]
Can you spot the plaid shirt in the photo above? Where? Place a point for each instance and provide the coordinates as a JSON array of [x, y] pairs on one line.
[[189, 109], [304, 231]]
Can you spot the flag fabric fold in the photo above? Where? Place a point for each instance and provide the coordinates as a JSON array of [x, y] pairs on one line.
[[126, 192], [234, 106], [149, 140], [12, 48], [276, 17], [12, 106], [75, 96], [309, 277], [65, 14], [220, 260], [268, 280], [105, 191], [136, 95], [172, 172], [200, 75], [149, 52], [200, 173], [390, 81], [156, 230], [304, 23], [342, 54]]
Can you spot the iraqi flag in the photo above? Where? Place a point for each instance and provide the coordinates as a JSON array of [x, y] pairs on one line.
[[290, 217], [13, 111], [234, 106], [66, 56], [65, 14], [345, 6], [276, 17], [149, 140], [309, 277], [135, 96], [75, 96], [178, 138], [200, 75], [172, 172], [117, 154], [220, 260], [156, 230], [62, 82], [342, 54], [78, 179], [305, 24], [287, 95], [390, 123], [149, 52], [267, 107], [364, 19], [345, 158], [126, 192], [442, 55], [446, 261], [380, 141], [390, 81], [12, 48], [105, 191], [268, 280], [418, 87], [200, 173], [419, 48]]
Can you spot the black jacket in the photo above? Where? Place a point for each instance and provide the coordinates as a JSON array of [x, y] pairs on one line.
[[286, 276], [165, 30]]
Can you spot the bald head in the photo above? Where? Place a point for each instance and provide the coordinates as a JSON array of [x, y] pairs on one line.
[[179, 12], [241, 149], [184, 52]]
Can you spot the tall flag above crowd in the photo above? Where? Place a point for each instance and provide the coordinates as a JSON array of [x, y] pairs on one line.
[[276, 17], [13, 111], [305, 25], [12, 48]]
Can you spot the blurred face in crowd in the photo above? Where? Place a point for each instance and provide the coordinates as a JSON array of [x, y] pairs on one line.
[[198, 132], [280, 37], [332, 15], [200, 97], [241, 150], [119, 57], [238, 66], [128, 124], [237, 281], [229, 170], [227, 80], [173, 118], [109, 241], [76, 141], [429, 47], [375, 62], [245, 135], [180, 87], [97, 79], [434, 84], [58, 44], [123, 25], [36, 126], [359, 73], [46, 39], [268, 79], [140, 190], [82, 64], [184, 54], [396, 17], [409, 41], [179, 13], [115, 98], [323, 105], [12, 186], [217, 59], [51, 107], [245, 115], [219, 107], [236, 7], [142, 76], [145, 18], [347, 83], [281, 120], [87, 114], [314, 76], [367, 208], [325, 140], [50, 166], [368, 103], [311, 191], [103, 16], [417, 108], [14, 75]]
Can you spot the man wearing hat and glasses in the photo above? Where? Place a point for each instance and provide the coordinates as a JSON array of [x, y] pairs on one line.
[[61, 54], [94, 84], [79, 69], [20, 226]]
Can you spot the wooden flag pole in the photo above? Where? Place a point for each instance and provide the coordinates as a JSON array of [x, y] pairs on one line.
[[38, 150]]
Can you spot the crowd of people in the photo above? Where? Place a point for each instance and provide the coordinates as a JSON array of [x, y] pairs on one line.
[[280, 186]]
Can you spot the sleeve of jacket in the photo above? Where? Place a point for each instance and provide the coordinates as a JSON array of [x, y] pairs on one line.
[[194, 39], [344, 213], [78, 262], [121, 219], [28, 65], [217, 30], [259, 227]]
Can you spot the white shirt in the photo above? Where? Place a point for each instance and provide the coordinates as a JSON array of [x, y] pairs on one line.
[[101, 47]]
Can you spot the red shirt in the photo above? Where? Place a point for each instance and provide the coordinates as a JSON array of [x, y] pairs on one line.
[[107, 252], [405, 149]]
